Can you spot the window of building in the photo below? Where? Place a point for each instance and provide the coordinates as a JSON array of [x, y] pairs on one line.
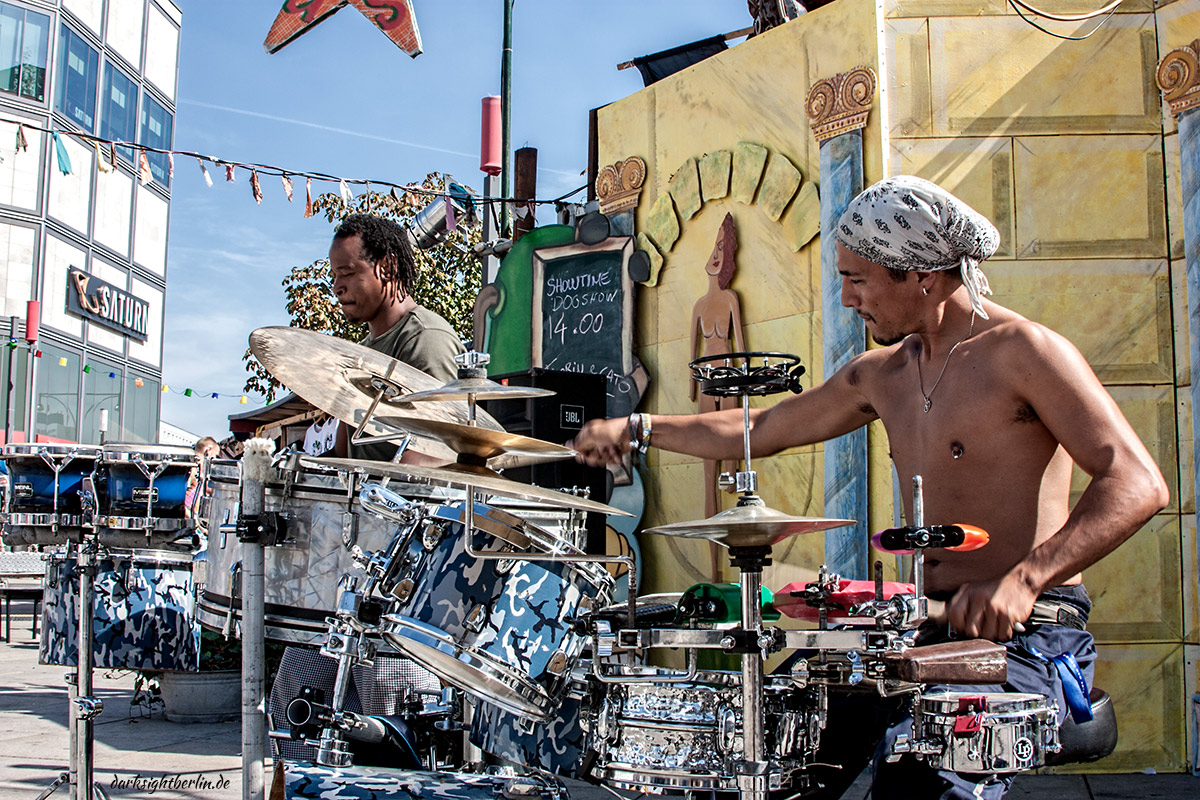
[[156, 132], [141, 409], [57, 394], [20, 387], [101, 392], [118, 109], [78, 70], [24, 39]]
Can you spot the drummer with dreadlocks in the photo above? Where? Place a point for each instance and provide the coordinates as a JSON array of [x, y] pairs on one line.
[[991, 409]]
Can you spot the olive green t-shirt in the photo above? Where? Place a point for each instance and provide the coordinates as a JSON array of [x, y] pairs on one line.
[[421, 339]]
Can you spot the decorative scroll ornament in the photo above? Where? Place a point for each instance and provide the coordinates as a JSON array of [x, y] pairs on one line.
[[619, 185], [841, 104], [1179, 78]]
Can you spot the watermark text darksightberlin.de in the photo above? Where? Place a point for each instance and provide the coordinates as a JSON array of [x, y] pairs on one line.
[[172, 783]]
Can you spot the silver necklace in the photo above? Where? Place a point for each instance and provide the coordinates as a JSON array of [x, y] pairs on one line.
[[921, 378]]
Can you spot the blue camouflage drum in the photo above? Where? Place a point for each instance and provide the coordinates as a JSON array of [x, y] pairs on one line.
[[45, 505], [499, 629], [142, 492], [303, 780], [144, 613], [557, 746]]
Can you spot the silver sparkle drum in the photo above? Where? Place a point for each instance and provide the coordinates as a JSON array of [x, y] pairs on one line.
[[323, 519], [985, 733], [143, 617], [499, 629], [656, 737], [141, 496], [45, 503]]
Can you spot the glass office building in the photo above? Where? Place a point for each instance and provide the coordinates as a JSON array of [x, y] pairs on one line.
[[91, 245]]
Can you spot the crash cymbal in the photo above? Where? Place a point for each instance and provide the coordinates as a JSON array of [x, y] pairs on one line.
[[342, 379], [459, 476], [481, 442], [748, 526], [480, 389]]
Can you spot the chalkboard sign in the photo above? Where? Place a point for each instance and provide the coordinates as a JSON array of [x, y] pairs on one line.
[[583, 308]]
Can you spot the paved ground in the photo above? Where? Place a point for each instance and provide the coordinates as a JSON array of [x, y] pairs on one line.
[[33, 746]]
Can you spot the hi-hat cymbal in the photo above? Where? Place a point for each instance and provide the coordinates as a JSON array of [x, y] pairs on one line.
[[480, 389], [460, 476], [482, 442], [342, 379], [748, 526]]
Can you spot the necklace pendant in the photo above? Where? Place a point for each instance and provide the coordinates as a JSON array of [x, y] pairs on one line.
[[928, 405]]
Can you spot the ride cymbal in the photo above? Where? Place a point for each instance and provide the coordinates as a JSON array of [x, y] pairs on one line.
[[748, 526], [343, 378], [460, 476]]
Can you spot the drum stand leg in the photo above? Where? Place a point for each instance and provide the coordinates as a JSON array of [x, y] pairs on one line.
[[753, 777]]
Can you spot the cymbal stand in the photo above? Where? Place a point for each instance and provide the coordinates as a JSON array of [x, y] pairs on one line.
[[387, 388], [84, 707], [735, 375]]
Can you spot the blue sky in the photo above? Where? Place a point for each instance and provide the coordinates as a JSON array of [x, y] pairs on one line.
[[343, 100]]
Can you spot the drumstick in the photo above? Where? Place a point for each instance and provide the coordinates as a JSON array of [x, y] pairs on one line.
[[937, 613]]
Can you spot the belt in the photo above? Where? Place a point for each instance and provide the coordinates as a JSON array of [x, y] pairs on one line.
[[1053, 612]]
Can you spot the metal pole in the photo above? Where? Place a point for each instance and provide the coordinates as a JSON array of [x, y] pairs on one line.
[[12, 363], [505, 113], [491, 264], [753, 781], [87, 706]]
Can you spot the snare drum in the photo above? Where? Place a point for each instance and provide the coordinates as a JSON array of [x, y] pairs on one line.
[[655, 737], [306, 781], [44, 498], [323, 518], [985, 733], [142, 489], [144, 616], [502, 630]]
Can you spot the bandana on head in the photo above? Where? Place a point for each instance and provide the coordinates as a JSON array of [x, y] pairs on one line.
[[908, 223]]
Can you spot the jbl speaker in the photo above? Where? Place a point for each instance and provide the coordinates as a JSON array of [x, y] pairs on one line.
[[557, 418]]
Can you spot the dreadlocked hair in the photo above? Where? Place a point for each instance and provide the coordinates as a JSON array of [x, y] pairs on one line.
[[382, 238]]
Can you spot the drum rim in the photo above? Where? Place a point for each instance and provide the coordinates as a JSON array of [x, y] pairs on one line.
[[121, 451], [33, 449], [138, 556], [425, 640]]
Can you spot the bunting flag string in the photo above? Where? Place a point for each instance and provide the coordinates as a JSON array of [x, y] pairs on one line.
[[255, 188], [521, 207]]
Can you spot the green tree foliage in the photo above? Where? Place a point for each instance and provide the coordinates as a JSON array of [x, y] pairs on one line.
[[448, 274]]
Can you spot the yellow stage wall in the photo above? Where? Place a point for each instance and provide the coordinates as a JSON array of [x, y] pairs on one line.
[[1067, 147]]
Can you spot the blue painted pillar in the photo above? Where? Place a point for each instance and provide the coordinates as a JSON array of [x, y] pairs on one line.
[[1179, 79], [838, 110]]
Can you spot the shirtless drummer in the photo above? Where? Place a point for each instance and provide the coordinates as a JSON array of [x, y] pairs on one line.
[[989, 407]]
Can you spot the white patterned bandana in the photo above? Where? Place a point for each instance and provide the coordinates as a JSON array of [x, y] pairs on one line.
[[908, 223]]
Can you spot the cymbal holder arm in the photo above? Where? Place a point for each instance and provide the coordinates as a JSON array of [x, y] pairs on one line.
[[575, 558], [921, 603], [689, 674]]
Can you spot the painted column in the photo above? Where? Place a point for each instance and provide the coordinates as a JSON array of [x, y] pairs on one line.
[[1179, 79], [837, 111]]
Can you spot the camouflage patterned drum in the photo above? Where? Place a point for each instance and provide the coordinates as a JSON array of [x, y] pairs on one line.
[[302, 780], [323, 517], [558, 746], [655, 737], [501, 630], [141, 492], [44, 501], [144, 616]]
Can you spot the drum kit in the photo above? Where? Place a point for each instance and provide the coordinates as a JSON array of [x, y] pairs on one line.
[[486, 583]]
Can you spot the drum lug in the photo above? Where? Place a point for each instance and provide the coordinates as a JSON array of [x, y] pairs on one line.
[[403, 590], [431, 535], [349, 529], [727, 728], [557, 665], [476, 619]]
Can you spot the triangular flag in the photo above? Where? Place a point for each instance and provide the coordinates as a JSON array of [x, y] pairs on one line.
[[60, 149], [308, 206], [345, 190], [187, 392], [170, 166], [287, 187], [215, 396], [62, 362], [144, 173], [243, 400], [100, 158], [520, 211], [37, 353], [87, 367], [451, 218], [396, 196], [204, 171], [22, 142], [138, 382], [229, 173], [255, 187], [165, 389]]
